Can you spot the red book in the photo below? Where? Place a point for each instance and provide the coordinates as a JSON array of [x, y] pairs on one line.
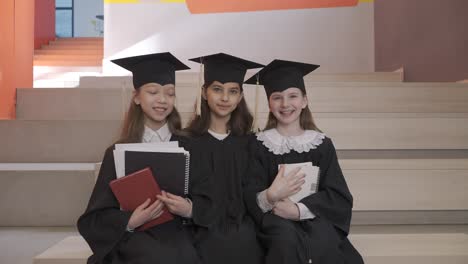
[[133, 189]]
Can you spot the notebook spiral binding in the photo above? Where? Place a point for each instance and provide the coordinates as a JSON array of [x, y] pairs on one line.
[[187, 173]]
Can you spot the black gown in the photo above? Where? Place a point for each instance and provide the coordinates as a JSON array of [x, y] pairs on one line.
[[103, 225], [319, 240], [231, 238]]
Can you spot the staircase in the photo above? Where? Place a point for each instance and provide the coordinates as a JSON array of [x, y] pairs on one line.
[[71, 52], [403, 148]]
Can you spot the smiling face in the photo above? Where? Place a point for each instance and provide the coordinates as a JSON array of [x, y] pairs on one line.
[[222, 98], [157, 102], [287, 106]]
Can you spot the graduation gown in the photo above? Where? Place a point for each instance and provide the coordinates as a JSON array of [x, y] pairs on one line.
[[322, 239], [103, 225], [231, 236]]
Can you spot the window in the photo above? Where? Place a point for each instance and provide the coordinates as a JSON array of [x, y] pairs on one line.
[[64, 18]]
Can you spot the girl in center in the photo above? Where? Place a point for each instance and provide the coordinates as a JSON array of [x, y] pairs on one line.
[[220, 137]]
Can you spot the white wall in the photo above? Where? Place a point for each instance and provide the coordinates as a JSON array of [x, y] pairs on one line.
[[84, 12], [340, 39]]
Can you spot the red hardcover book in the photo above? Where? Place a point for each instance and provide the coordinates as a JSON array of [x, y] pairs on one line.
[[133, 189]]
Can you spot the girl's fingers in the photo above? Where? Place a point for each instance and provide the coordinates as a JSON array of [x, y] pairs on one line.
[[144, 204], [293, 172], [156, 215], [154, 205], [172, 196], [281, 170]]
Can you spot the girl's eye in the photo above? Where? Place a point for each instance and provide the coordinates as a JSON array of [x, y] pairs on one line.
[[275, 98], [234, 91], [152, 92]]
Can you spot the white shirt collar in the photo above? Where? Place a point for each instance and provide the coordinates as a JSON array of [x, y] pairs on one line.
[[163, 134], [279, 144], [218, 135]]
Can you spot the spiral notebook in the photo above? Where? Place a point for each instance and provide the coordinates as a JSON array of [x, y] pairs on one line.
[[170, 169]]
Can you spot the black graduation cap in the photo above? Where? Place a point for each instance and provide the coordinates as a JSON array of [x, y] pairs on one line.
[[225, 68], [157, 68], [280, 75]]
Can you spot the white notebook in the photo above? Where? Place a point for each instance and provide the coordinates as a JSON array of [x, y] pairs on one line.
[[310, 185]]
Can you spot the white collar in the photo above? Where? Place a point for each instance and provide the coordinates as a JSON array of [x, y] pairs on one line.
[[163, 134], [279, 144], [218, 136]]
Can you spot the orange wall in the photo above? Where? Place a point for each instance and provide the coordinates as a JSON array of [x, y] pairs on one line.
[[16, 51], [44, 22]]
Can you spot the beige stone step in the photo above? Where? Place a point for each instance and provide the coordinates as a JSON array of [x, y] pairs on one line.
[[404, 184], [193, 77], [85, 140], [388, 191], [376, 248], [324, 98], [44, 194], [56, 141]]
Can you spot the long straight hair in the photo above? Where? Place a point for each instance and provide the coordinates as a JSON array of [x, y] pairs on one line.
[[306, 121], [134, 123], [240, 122]]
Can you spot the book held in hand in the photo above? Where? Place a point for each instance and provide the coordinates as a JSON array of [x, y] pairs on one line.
[[311, 178], [133, 190]]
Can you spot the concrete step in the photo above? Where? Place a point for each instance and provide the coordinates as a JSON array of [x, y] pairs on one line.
[[56, 141], [391, 191], [84, 140], [193, 78], [44, 194], [339, 98], [375, 247], [19, 245]]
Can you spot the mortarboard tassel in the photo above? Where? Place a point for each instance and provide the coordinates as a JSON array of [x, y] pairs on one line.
[[199, 94], [255, 121]]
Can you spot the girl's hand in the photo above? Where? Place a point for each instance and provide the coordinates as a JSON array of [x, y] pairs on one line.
[[145, 212], [176, 204], [285, 186], [287, 210]]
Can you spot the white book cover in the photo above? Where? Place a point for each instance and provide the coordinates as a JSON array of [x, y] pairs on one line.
[[310, 185], [119, 152]]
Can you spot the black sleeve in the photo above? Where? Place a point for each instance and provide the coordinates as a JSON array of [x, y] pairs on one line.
[[254, 181], [333, 201], [200, 189], [103, 224]]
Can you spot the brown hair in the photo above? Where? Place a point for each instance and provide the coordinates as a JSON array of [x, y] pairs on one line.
[[133, 125], [306, 121], [239, 124]]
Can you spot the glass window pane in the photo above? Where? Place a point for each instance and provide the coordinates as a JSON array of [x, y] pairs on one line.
[[63, 23], [63, 3]]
